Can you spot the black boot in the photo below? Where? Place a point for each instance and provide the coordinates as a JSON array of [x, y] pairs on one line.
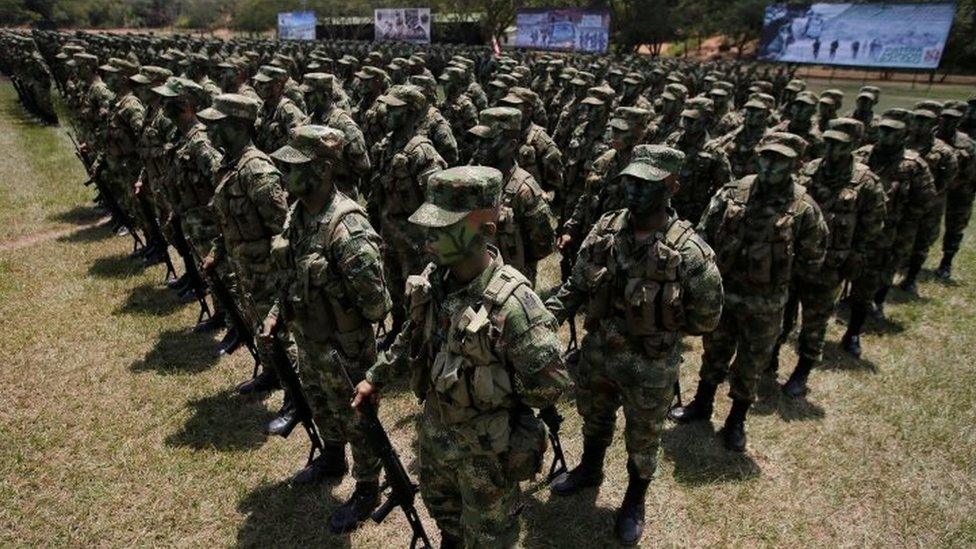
[[851, 341], [450, 541], [630, 516], [911, 276], [944, 272], [879, 302], [286, 419], [261, 383], [231, 341], [330, 465], [587, 474], [734, 431], [211, 324], [796, 386], [700, 408], [357, 509], [179, 283]]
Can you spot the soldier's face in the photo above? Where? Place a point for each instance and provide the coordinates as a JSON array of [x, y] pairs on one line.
[[452, 244], [692, 124], [801, 111], [645, 197], [774, 167], [827, 110], [394, 116], [228, 134], [948, 125], [755, 118], [301, 179], [890, 137], [622, 139], [837, 151], [228, 77], [864, 104], [924, 127]]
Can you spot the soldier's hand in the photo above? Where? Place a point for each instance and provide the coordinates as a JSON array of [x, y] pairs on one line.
[[268, 327], [563, 241], [208, 263], [365, 390]]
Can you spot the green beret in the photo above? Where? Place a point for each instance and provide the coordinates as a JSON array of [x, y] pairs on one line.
[[455, 192]]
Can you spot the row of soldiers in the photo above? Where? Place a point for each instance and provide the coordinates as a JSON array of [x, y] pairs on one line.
[[330, 185]]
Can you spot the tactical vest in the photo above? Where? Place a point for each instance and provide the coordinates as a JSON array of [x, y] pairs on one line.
[[638, 300], [193, 188], [317, 296], [509, 238], [894, 179], [840, 209], [401, 193], [244, 229], [936, 158], [754, 243]]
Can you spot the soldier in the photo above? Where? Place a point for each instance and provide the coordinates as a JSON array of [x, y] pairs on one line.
[[459, 111], [233, 78], [526, 226], [864, 112], [279, 113], [483, 352], [724, 118], [706, 167], [828, 106], [630, 95], [799, 121], [646, 279], [765, 230], [196, 70], [909, 189], [538, 153], [961, 191], [405, 161], [670, 105], [740, 145], [332, 292], [853, 205], [355, 166], [968, 124], [433, 124], [941, 159], [250, 206]]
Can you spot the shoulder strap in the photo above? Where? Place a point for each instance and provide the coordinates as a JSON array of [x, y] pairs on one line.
[[344, 207], [415, 142], [503, 284], [678, 233]]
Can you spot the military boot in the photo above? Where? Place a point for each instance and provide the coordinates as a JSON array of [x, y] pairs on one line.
[[733, 433], [630, 516], [360, 505], [212, 324], [450, 541], [851, 342], [796, 386], [330, 465], [179, 283], [587, 474], [700, 408], [266, 381], [286, 420], [879, 303], [231, 341], [909, 284], [944, 272]]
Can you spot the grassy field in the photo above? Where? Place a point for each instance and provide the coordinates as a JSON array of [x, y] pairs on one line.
[[893, 94], [119, 427]]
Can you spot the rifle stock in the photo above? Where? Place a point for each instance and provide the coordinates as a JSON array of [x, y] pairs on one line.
[[194, 279], [293, 386], [550, 416]]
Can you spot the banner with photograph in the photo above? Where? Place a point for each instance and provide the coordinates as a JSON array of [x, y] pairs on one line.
[[570, 29], [402, 24], [299, 25], [867, 35]]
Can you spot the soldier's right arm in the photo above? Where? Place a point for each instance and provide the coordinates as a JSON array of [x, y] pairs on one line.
[[268, 196], [701, 285], [357, 249], [711, 220], [574, 292]]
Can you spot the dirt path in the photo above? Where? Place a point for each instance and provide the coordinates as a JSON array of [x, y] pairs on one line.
[[34, 239]]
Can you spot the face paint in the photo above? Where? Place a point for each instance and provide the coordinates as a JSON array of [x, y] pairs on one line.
[[948, 125], [452, 244], [394, 116], [774, 168], [227, 135], [837, 151], [755, 118], [172, 109], [300, 179], [890, 138], [227, 79], [692, 125], [644, 197]]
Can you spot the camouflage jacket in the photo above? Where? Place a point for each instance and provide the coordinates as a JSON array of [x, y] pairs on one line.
[[811, 135], [438, 130], [739, 147], [273, 127], [853, 205], [705, 170], [645, 294], [600, 193], [965, 148], [526, 226], [356, 163], [125, 126], [942, 162], [193, 174], [402, 170], [909, 190], [478, 353]]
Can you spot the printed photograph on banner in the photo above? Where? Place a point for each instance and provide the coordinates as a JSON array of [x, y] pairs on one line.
[[402, 24], [570, 29]]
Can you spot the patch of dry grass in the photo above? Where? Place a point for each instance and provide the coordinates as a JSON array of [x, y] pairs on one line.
[[119, 428]]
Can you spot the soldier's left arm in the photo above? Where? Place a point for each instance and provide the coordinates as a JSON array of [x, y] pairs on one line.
[[444, 138], [701, 286], [533, 350], [356, 247], [269, 198], [810, 240], [426, 162], [533, 211], [870, 217], [721, 168]]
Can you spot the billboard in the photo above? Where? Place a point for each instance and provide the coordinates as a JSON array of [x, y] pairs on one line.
[[569, 29], [298, 25], [866, 35], [402, 24]]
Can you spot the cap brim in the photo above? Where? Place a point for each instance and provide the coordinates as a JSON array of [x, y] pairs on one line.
[[620, 124], [211, 114], [431, 215], [669, 96], [777, 148], [260, 77], [108, 68], [645, 172], [481, 131], [391, 101], [837, 135], [892, 124], [140, 79], [290, 155], [164, 91], [951, 113], [690, 113]]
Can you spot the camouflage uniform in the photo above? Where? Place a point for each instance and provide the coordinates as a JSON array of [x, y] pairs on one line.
[[332, 293], [355, 165], [480, 355], [277, 118], [125, 125], [959, 193], [706, 167], [459, 111], [803, 125], [538, 153], [740, 144]]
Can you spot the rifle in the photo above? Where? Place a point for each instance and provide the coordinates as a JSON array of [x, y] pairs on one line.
[[293, 387], [115, 210], [236, 319], [155, 232], [550, 416], [403, 491], [193, 277], [677, 394]]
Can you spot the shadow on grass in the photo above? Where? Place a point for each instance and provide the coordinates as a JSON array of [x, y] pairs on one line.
[[573, 521], [100, 231], [79, 215], [772, 400], [178, 352], [836, 358], [113, 266], [281, 516], [149, 299], [224, 423], [699, 457]]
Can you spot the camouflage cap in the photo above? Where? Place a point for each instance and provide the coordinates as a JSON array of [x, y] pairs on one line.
[[629, 118], [270, 73], [317, 81], [309, 143], [232, 105], [455, 192], [424, 82], [873, 90], [756, 103], [866, 95], [805, 97], [796, 85], [86, 59], [496, 120], [925, 114], [899, 114], [787, 144], [729, 87], [891, 124], [846, 130], [404, 95], [654, 162], [718, 93], [151, 74], [835, 94], [954, 109], [179, 87], [452, 74]]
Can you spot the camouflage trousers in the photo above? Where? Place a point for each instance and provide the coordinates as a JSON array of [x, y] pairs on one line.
[[614, 375], [879, 271], [815, 302], [120, 179], [747, 331], [199, 235], [403, 255], [258, 298], [958, 210], [327, 391], [471, 497], [928, 229]]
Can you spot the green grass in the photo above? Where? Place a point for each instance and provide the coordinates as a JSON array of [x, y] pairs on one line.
[[119, 430], [893, 94]]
